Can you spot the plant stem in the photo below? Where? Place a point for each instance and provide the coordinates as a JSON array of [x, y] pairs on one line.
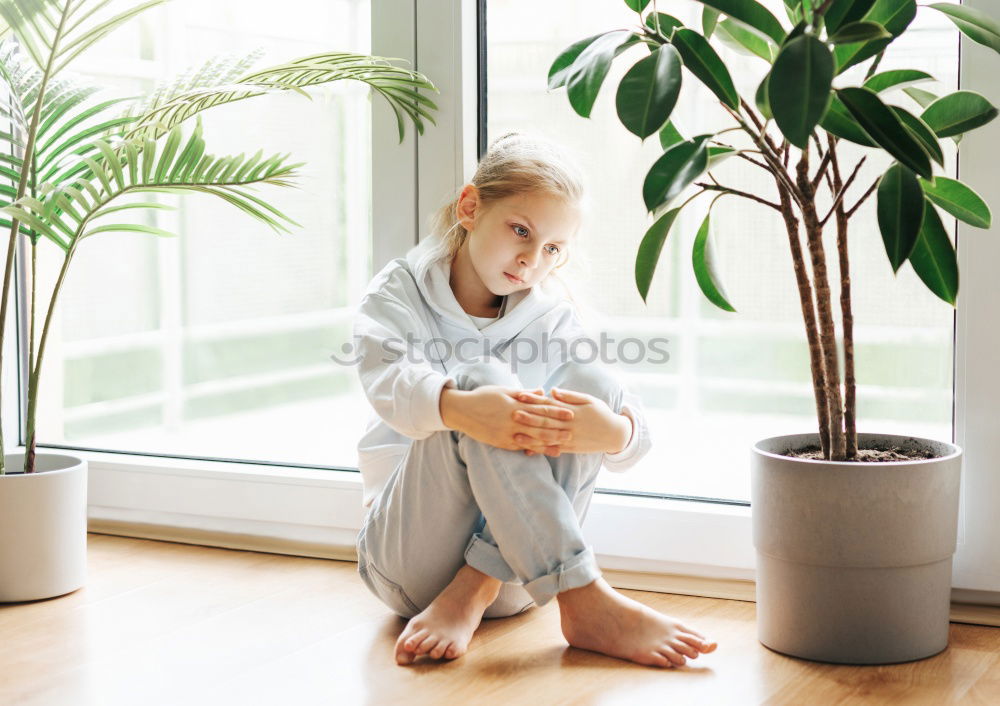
[[841, 191], [855, 207], [766, 151], [28, 159], [35, 372], [809, 318], [847, 314], [824, 310], [737, 192]]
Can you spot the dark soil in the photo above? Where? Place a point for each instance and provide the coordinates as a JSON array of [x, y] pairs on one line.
[[886, 455]]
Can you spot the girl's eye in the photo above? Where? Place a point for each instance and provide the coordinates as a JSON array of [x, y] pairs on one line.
[[518, 229]]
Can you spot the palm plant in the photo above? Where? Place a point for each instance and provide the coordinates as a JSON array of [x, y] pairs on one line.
[[75, 163], [797, 95]]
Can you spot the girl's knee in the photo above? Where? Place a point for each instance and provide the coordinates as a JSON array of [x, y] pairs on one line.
[[489, 371], [592, 379]]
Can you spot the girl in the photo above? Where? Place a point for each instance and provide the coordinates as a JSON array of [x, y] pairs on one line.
[[482, 452]]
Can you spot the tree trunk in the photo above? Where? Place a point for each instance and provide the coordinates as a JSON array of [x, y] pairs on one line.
[[808, 317], [824, 309], [850, 384]]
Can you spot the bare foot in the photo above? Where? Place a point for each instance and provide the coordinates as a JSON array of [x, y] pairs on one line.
[[445, 627], [596, 617]]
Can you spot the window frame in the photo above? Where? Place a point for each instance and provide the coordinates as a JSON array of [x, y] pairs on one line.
[[322, 507]]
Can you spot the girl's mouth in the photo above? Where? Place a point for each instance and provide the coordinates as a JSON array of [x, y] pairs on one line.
[[514, 279]]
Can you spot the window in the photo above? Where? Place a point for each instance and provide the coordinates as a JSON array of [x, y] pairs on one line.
[[732, 379], [217, 343]]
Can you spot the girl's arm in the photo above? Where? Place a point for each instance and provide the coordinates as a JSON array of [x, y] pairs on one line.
[[399, 382]]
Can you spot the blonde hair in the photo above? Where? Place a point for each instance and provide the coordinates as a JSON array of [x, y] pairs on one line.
[[514, 164]]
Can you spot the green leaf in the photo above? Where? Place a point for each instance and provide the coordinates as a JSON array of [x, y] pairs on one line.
[[894, 15], [703, 261], [674, 171], [860, 32], [761, 99], [885, 129], [922, 132], [799, 87], [719, 154], [648, 91], [129, 228], [702, 60], [922, 97], [167, 154], [709, 18], [959, 200], [669, 135], [650, 248], [958, 112], [933, 257], [591, 68], [842, 12], [743, 41], [667, 22], [975, 24], [752, 15], [112, 160], [900, 212], [637, 5], [896, 79], [839, 121], [560, 69]]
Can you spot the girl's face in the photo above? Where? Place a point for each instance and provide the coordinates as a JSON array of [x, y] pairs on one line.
[[523, 236]]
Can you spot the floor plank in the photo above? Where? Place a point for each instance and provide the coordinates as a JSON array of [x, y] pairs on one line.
[[165, 623]]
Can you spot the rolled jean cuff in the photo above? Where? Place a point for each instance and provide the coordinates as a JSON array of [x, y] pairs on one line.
[[486, 557], [577, 572]]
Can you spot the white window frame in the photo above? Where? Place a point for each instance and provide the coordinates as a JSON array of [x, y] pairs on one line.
[[319, 512]]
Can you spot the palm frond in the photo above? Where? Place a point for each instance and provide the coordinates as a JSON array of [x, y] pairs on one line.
[[65, 212], [216, 71], [399, 86], [54, 32]]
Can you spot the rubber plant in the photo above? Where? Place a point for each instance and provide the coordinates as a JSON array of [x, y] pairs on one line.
[[71, 161], [801, 112]]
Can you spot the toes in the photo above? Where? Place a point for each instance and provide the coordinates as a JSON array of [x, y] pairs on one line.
[[685, 628], [427, 644], [683, 648], [699, 642], [678, 660], [454, 651], [410, 643], [658, 660], [439, 649]]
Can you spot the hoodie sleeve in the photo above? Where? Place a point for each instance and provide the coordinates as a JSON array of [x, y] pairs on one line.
[[398, 380], [570, 329]]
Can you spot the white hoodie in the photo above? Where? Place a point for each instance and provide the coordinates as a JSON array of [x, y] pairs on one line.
[[402, 370]]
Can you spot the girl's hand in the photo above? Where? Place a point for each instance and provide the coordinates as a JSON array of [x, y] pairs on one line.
[[594, 428], [487, 414], [537, 413]]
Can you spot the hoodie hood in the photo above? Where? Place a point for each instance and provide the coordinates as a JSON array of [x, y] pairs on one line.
[[431, 270]]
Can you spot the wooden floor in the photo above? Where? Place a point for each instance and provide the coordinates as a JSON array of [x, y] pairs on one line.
[[164, 623]]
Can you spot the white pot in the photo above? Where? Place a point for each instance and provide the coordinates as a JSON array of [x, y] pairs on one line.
[[854, 559], [43, 527]]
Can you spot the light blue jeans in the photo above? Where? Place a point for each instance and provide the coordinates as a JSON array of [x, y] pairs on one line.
[[455, 500]]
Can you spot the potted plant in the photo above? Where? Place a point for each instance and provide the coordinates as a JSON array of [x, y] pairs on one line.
[[854, 532], [70, 164]]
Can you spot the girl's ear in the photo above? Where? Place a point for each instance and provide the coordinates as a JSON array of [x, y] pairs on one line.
[[468, 204]]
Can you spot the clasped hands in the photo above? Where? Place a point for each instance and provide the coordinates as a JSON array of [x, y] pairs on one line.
[[517, 419]]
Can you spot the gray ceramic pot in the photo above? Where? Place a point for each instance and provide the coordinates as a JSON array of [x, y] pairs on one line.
[[854, 559]]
